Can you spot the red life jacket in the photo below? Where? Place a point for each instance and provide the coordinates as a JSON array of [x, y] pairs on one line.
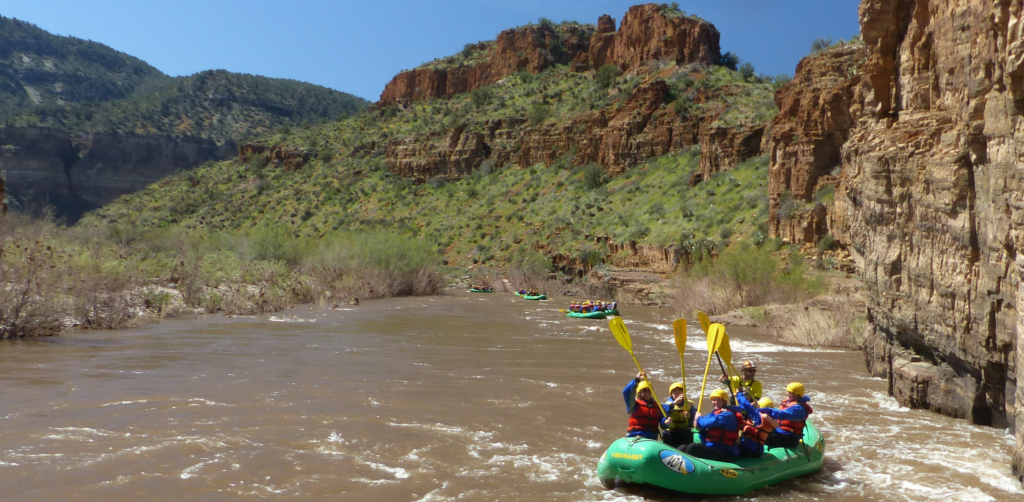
[[795, 427], [645, 417], [719, 435]]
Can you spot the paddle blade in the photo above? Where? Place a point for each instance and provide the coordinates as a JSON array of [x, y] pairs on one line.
[[716, 332], [679, 330], [621, 335], [724, 350], [705, 323]]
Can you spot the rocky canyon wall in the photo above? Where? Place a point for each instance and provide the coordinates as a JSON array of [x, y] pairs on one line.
[[924, 142], [648, 33], [617, 137], [78, 173]]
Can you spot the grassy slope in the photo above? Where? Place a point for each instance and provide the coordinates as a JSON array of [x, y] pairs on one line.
[[497, 215], [77, 85]]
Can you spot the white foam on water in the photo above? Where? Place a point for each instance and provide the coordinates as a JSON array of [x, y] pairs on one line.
[[289, 319], [397, 472], [191, 471], [116, 403], [447, 429]]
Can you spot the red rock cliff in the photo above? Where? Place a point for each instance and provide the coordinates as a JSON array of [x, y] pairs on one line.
[[648, 33], [930, 195]]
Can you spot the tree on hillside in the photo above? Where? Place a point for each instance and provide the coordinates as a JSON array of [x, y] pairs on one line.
[[606, 75], [819, 44], [729, 60], [747, 71]]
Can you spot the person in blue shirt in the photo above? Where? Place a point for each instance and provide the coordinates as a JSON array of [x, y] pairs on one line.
[[678, 427], [792, 415], [719, 431], [644, 412]]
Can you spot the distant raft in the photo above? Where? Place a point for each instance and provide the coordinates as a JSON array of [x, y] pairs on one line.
[[600, 314], [538, 297], [478, 290], [644, 461]]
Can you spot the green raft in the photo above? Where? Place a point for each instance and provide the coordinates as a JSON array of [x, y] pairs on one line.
[[475, 290], [643, 461], [601, 314], [538, 297]]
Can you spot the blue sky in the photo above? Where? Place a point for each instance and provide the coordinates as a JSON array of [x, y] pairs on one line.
[[357, 47]]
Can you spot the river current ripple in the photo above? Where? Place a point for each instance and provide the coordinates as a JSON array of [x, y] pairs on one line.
[[458, 397]]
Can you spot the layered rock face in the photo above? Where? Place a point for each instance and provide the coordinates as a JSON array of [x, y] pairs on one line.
[[617, 137], [927, 131], [78, 173], [647, 34], [817, 109]]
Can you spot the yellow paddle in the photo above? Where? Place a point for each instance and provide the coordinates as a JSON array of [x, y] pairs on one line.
[[622, 336], [705, 323], [715, 333], [726, 354], [679, 330]]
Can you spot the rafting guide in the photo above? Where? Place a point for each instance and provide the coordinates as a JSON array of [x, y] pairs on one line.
[[743, 443]]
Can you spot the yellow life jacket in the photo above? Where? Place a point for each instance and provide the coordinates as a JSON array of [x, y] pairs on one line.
[[679, 419]]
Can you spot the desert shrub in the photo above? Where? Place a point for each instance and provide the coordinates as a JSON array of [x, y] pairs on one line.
[[747, 71], [729, 60], [827, 243], [593, 176], [787, 205], [838, 324], [539, 112], [32, 281], [481, 97], [742, 278], [373, 265], [820, 43], [825, 194], [605, 76]]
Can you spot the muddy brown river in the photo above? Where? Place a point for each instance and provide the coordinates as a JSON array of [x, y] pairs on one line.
[[470, 397]]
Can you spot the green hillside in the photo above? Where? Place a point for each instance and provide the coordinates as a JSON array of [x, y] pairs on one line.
[[79, 86], [499, 213], [40, 68]]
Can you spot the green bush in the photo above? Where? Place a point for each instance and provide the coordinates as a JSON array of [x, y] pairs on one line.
[[820, 43], [729, 60], [593, 176], [605, 76], [787, 205], [539, 112]]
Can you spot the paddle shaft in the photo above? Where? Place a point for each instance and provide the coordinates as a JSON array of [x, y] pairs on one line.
[[731, 392], [704, 383]]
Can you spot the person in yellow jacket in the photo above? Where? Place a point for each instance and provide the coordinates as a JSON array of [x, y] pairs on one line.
[[678, 427], [745, 381]]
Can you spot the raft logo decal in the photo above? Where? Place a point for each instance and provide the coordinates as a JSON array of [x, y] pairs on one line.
[[627, 456], [676, 462], [729, 473]]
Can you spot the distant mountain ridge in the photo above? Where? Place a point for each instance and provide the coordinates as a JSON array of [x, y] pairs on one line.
[[82, 123]]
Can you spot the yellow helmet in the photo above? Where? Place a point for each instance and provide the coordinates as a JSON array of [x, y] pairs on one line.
[[720, 393], [765, 402], [643, 385], [677, 385], [796, 388]]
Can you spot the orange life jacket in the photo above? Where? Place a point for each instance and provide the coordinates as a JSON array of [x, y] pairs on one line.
[[759, 433], [795, 427], [645, 417], [720, 435]]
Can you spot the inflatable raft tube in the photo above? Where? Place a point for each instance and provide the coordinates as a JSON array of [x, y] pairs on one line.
[[643, 461]]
